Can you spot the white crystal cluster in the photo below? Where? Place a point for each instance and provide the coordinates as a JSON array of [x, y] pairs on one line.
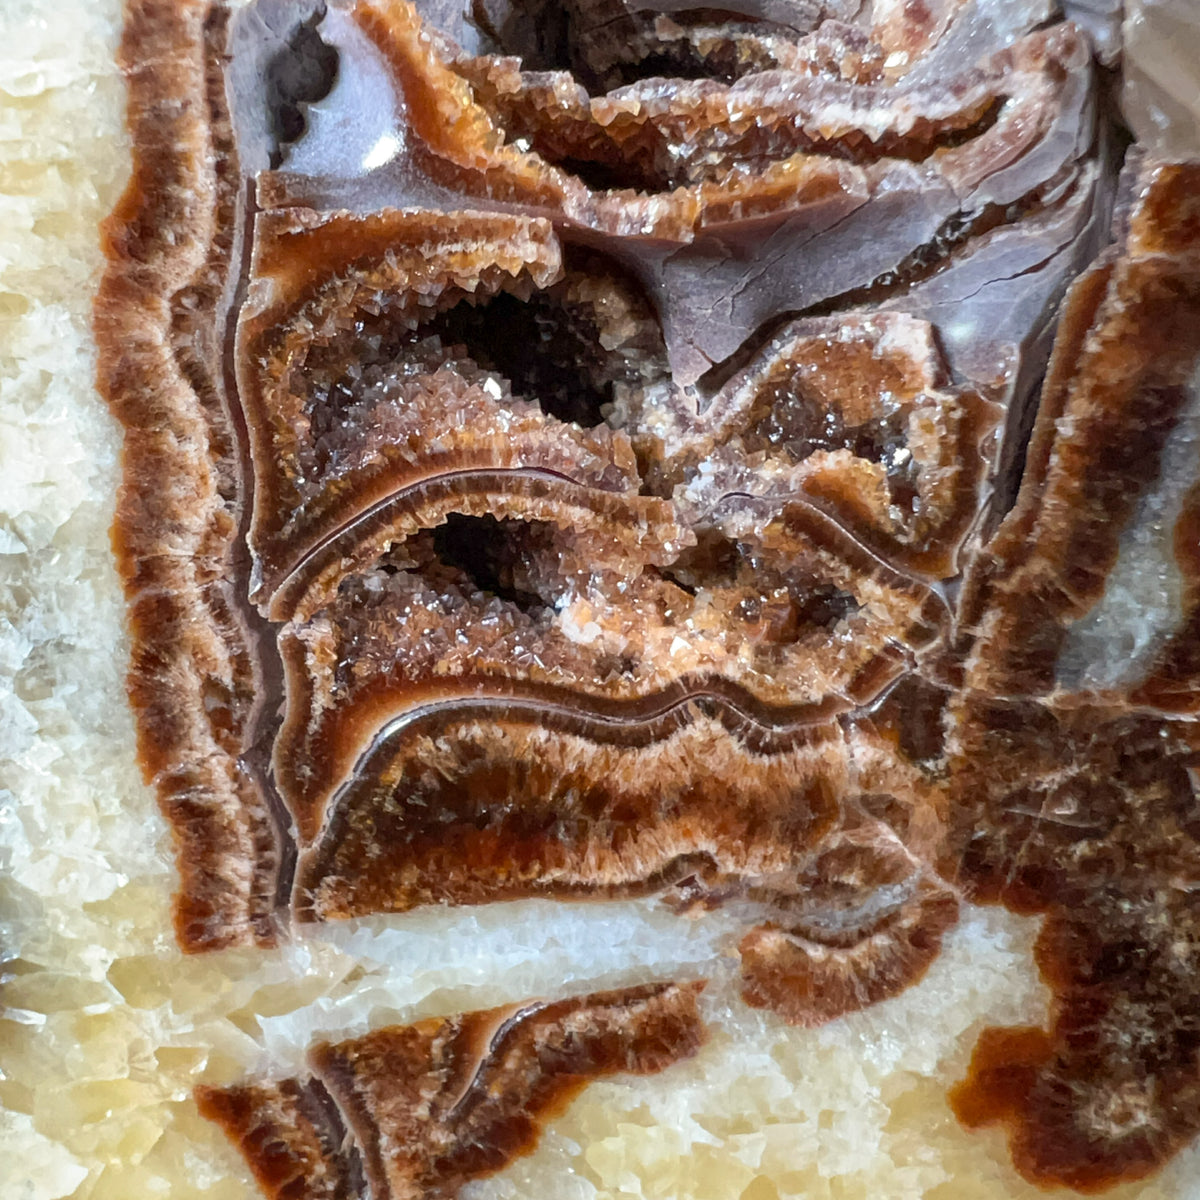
[[105, 1026], [1161, 70]]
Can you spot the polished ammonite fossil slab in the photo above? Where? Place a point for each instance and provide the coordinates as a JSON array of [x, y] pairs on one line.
[[744, 456]]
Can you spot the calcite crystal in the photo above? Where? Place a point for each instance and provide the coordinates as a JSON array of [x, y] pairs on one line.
[[744, 457]]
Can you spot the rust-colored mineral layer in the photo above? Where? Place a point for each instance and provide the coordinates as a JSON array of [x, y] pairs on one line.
[[745, 457], [416, 1111]]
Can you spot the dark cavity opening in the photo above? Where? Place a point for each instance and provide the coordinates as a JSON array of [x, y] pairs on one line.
[[824, 606], [606, 47], [585, 350], [496, 556], [714, 561], [303, 72], [797, 425], [549, 351]]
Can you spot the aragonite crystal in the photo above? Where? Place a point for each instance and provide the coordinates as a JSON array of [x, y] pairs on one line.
[[745, 457]]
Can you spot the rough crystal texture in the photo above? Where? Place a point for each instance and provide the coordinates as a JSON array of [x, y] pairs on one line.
[[431, 1106], [563, 606], [1161, 97], [701, 600], [1099, 757]]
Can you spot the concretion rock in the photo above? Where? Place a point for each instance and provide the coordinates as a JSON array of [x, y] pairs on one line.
[[745, 457]]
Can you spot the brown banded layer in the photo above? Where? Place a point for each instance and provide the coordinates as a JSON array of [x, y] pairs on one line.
[[515, 129], [428, 1107], [1123, 375], [590, 806], [589, 491], [871, 217], [437, 611], [193, 679], [1073, 767], [647, 138], [291, 1136]]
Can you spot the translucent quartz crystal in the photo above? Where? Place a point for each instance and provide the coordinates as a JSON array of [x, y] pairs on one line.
[[1161, 96]]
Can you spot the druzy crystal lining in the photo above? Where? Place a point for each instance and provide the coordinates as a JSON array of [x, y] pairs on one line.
[[614, 477]]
